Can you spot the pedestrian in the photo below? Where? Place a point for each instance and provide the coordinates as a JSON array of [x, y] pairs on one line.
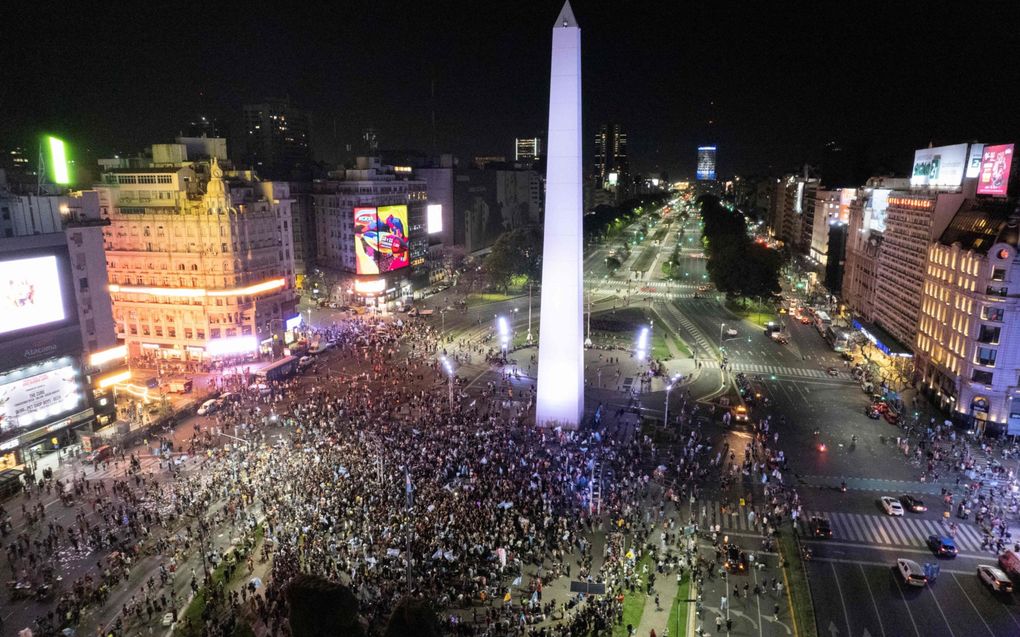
[[718, 623], [775, 613], [657, 606]]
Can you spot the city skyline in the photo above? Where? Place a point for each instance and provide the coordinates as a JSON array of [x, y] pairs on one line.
[[678, 86]]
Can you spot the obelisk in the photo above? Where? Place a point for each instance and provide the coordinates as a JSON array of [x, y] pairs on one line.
[[560, 347]]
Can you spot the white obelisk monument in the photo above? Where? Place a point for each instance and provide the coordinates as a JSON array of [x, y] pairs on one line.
[[560, 347]]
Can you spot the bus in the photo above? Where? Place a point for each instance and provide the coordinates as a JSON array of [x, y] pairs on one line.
[[280, 370], [822, 321]]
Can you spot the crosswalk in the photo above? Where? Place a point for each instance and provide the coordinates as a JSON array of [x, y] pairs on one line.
[[784, 370], [909, 531], [637, 294]]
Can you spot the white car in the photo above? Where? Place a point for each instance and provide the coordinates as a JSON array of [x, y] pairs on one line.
[[891, 506], [731, 332], [208, 407], [911, 572], [995, 578]]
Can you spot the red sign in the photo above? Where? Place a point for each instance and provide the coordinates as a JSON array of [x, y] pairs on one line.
[[993, 178]]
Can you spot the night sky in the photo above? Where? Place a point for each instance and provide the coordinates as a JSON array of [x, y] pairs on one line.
[[769, 83]]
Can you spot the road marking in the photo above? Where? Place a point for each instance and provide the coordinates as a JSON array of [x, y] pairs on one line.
[[874, 563], [971, 602], [842, 600], [874, 604], [899, 587], [939, 606]]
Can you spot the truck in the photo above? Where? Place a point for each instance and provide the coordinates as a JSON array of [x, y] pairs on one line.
[[280, 370]]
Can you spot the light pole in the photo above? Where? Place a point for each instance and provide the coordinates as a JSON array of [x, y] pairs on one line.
[[504, 333], [721, 327], [528, 338], [669, 388], [587, 340], [449, 377]]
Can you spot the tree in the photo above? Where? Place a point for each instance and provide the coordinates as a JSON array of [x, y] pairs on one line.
[[321, 607], [613, 263], [517, 252], [412, 616]]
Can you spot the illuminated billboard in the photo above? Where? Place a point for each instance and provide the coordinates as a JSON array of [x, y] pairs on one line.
[[974, 160], [30, 293], [27, 400], [380, 239], [57, 162], [434, 218], [876, 209], [941, 167], [995, 165]]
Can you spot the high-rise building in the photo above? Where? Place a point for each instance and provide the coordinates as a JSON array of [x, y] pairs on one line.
[[706, 163], [968, 355], [58, 343], [528, 149], [200, 262], [277, 139], [560, 400], [612, 166], [371, 232], [490, 201]]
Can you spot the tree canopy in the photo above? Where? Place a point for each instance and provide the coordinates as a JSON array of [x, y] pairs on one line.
[[737, 265], [517, 252]]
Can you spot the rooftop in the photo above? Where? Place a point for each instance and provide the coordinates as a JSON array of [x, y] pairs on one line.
[[981, 223]]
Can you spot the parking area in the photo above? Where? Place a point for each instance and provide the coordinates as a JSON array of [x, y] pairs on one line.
[[862, 598]]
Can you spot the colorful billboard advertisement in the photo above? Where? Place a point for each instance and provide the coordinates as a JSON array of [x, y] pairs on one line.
[[380, 239], [941, 167], [30, 293], [26, 400], [995, 166]]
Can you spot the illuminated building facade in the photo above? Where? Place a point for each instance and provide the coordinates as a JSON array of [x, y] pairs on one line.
[[560, 349], [706, 163], [370, 264], [200, 268], [528, 149], [612, 165], [968, 353]]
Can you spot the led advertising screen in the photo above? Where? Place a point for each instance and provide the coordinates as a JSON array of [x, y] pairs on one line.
[[877, 207], [34, 399], [380, 239], [941, 167], [995, 165], [434, 218], [30, 293], [974, 160]]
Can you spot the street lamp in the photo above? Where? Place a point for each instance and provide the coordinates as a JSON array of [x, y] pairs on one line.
[[504, 333], [669, 388], [449, 376], [721, 327], [528, 337]]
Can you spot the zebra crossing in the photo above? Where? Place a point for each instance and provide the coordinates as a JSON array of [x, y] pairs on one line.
[[783, 370], [666, 295], [907, 531], [692, 329]]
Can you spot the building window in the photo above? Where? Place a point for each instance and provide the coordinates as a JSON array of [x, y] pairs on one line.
[[992, 314], [998, 274], [986, 356], [985, 378], [989, 334], [997, 291]]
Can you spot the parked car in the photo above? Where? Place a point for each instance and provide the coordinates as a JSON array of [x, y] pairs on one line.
[[208, 407], [911, 572], [994, 578], [891, 505]]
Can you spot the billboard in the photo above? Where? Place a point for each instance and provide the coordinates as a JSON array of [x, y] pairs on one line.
[[434, 218], [27, 400], [877, 206], [941, 167], [30, 293], [380, 239], [996, 162], [974, 160]]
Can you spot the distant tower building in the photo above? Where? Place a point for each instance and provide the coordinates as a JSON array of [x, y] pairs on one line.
[[612, 168], [706, 163], [277, 139], [370, 142], [528, 149]]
